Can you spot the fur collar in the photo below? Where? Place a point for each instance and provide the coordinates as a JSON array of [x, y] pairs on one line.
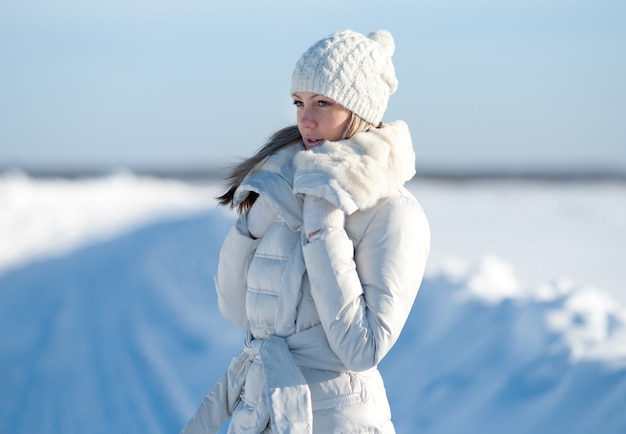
[[357, 172]]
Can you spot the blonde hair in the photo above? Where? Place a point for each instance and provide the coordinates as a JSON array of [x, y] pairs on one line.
[[280, 139], [356, 125]]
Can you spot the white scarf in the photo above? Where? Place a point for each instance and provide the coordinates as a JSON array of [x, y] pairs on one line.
[[355, 173]]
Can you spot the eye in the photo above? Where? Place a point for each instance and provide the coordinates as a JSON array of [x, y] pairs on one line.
[[324, 102], [297, 103]]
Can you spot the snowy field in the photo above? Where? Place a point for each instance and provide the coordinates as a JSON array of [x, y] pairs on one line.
[[109, 321]]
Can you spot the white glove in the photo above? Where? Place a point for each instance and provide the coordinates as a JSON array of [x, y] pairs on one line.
[[260, 217], [320, 214]]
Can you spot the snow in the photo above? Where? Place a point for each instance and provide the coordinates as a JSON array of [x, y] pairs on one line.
[[54, 216], [109, 319]]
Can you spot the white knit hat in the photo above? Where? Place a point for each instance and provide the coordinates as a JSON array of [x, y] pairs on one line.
[[354, 70]]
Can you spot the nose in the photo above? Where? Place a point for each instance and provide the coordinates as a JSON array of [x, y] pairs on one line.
[[306, 119]]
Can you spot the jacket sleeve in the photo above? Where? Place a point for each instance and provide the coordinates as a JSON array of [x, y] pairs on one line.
[[364, 296], [232, 273]]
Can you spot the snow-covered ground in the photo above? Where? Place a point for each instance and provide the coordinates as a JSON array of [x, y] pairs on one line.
[[109, 321]]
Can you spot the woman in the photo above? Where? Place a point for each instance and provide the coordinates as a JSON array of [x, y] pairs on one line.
[[325, 260]]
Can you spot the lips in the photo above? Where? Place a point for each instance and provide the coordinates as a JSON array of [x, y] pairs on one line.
[[311, 143]]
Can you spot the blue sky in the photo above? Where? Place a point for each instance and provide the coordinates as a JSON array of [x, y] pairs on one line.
[[530, 84]]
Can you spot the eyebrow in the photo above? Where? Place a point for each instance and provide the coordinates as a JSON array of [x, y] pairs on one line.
[[315, 95]]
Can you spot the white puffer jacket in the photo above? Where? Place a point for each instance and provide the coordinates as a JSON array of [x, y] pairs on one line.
[[321, 314]]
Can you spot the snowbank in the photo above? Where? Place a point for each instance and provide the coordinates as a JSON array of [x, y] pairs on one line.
[[45, 217]]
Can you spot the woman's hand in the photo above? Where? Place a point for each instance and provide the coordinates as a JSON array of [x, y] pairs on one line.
[[320, 214], [260, 217]]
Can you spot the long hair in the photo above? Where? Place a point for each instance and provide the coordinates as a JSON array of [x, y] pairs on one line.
[[280, 139]]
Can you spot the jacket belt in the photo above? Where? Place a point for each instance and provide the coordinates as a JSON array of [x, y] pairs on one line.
[[288, 395]]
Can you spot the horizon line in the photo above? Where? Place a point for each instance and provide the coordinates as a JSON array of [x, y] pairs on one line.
[[189, 173]]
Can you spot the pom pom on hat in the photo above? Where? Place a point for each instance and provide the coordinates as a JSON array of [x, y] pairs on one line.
[[354, 70], [384, 38]]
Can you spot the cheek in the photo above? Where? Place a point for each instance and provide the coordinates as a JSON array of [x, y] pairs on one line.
[[345, 121], [341, 124]]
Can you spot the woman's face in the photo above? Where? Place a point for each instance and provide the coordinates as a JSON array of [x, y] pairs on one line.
[[320, 118]]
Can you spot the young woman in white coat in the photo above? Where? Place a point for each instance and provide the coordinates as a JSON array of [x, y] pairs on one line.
[[322, 267]]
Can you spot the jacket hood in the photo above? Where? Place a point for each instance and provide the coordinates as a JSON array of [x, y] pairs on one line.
[[355, 173]]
